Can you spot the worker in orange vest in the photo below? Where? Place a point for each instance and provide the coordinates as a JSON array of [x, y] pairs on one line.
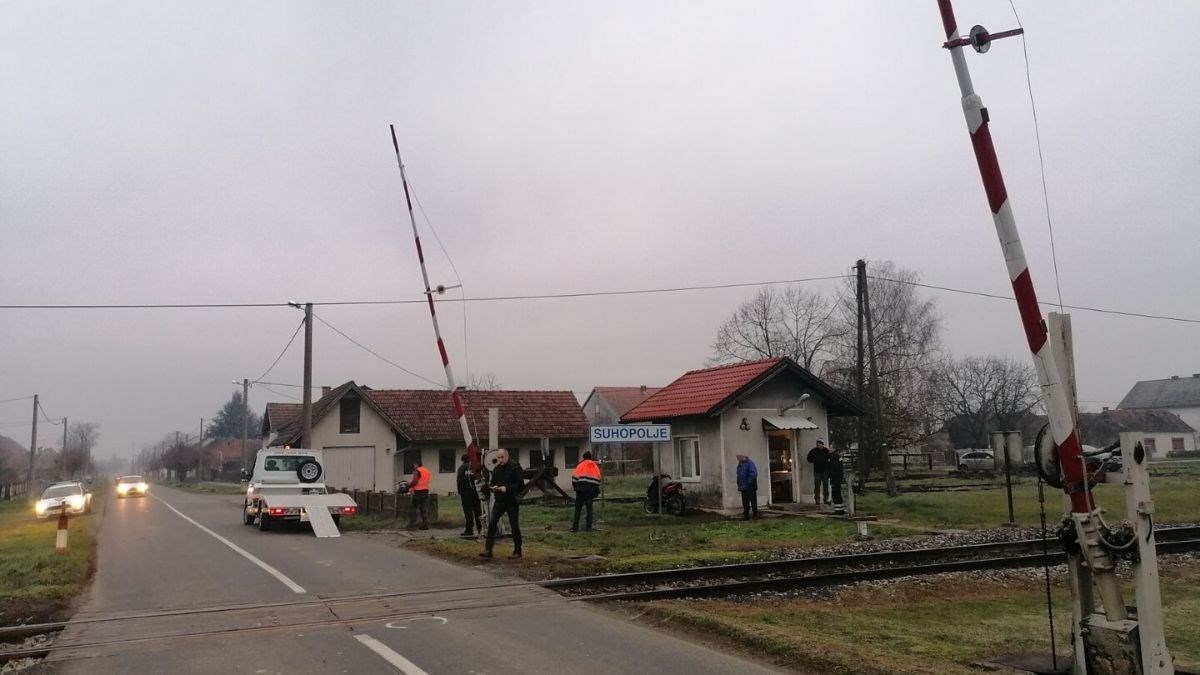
[[586, 482], [420, 496]]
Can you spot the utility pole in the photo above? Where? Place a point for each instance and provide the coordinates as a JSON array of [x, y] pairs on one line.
[[65, 441], [877, 427], [864, 463], [33, 443], [306, 439], [245, 420], [200, 452]]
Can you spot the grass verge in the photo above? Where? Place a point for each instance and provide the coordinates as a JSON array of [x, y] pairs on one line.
[[36, 583], [928, 627]]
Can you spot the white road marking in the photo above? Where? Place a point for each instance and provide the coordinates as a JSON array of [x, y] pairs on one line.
[[392, 624], [402, 664], [241, 551]]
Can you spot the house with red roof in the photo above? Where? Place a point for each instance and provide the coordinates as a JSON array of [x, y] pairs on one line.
[[771, 410], [372, 438]]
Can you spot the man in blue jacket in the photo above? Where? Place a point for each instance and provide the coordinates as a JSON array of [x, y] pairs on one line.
[[747, 484]]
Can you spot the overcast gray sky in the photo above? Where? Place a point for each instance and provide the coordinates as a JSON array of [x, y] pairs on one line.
[[167, 152]]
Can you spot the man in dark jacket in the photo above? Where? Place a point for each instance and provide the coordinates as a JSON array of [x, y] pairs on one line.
[[747, 484], [819, 458], [472, 509], [507, 483]]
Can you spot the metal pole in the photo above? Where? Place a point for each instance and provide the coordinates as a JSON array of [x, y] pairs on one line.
[[1058, 409], [861, 279], [306, 438], [245, 420], [455, 396], [33, 441]]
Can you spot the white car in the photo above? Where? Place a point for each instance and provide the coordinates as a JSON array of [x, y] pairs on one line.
[[977, 460], [127, 486], [70, 497]]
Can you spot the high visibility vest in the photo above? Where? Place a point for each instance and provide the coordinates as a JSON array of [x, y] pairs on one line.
[[422, 482], [587, 471]]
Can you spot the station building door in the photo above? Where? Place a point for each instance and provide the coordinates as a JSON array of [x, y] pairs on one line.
[[781, 447]]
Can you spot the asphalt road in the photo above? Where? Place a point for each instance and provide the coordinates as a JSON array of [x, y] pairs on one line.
[[182, 586]]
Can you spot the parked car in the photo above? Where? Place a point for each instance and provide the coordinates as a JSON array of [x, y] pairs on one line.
[[131, 485], [70, 497], [977, 460]]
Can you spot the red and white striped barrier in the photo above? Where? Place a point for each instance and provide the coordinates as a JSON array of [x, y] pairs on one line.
[[1058, 406], [455, 396]]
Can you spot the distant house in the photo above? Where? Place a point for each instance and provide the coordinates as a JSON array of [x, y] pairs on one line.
[[1176, 394], [371, 438], [606, 405], [771, 410], [279, 415], [1160, 431], [225, 455]]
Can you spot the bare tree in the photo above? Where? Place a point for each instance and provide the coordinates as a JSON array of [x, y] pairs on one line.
[[794, 322], [976, 395], [76, 457], [483, 382]]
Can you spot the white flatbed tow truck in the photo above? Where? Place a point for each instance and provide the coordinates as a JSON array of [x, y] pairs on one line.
[[287, 485]]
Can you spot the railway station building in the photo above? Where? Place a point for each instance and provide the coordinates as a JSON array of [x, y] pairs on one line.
[[371, 438], [772, 411]]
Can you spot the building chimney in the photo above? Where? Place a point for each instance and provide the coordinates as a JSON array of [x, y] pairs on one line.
[[325, 391], [1174, 377], [643, 388]]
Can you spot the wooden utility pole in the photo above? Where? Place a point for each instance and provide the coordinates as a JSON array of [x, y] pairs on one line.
[[33, 442], [65, 439], [864, 462], [245, 421], [306, 439], [877, 426]]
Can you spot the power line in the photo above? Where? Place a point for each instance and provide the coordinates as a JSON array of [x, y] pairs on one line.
[[19, 398], [377, 354], [1082, 308], [589, 294], [278, 393], [285, 348], [56, 421]]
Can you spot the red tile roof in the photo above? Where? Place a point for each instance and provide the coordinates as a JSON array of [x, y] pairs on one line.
[[280, 415], [697, 392], [623, 399], [230, 449], [428, 414]]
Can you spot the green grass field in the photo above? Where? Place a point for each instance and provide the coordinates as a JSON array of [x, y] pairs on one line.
[[1176, 498], [36, 583], [915, 628]]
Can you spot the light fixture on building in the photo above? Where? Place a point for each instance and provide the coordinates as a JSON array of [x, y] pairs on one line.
[[745, 425]]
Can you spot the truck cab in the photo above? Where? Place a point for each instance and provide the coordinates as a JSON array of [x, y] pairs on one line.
[[288, 485]]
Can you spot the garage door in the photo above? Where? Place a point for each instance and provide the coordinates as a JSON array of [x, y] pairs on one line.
[[350, 468]]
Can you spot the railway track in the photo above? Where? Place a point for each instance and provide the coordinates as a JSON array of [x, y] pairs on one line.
[[786, 575]]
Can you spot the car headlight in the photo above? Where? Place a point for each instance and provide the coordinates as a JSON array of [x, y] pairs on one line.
[[123, 488], [76, 501], [141, 487], [40, 507]]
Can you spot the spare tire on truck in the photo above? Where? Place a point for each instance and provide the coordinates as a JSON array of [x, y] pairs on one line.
[[309, 471]]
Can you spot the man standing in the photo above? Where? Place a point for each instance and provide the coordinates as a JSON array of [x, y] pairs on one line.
[[747, 484], [819, 458], [420, 496], [586, 483], [507, 483], [472, 509], [834, 471]]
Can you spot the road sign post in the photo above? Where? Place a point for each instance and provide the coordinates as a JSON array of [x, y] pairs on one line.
[[656, 434]]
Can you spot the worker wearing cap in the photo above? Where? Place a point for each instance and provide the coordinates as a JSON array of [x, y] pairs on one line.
[[420, 496], [586, 483]]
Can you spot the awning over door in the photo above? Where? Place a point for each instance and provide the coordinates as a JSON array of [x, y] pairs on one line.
[[787, 423]]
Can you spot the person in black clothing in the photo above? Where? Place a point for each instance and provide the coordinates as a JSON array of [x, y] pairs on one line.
[[834, 471], [507, 483], [819, 458], [472, 509]]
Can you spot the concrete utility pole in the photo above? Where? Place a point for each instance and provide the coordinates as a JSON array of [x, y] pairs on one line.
[[864, 463], [65, 438], [306, 439], [245, 421], [33, 441]]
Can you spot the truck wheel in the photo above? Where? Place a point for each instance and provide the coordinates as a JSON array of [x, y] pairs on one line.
[[337, 519], [264, 522], [247, 519], [309, 471]]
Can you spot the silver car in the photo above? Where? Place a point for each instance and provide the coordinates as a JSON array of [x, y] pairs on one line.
[[977, 460], [69, 497]]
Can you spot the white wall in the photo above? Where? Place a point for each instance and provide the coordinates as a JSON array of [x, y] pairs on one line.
[[1162, 442], [373, 432]]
